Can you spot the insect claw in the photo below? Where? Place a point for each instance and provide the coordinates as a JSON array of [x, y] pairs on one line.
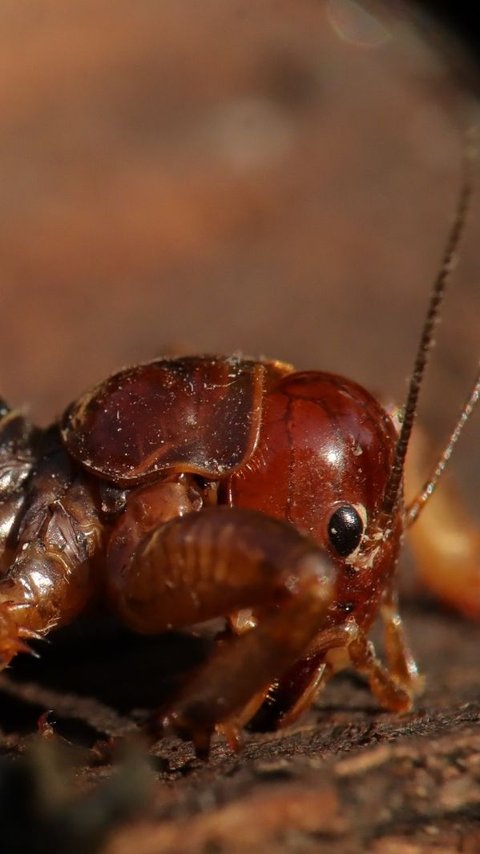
[[28, 649], [232, 735], [31, 635], [171, 724], [20, 646]]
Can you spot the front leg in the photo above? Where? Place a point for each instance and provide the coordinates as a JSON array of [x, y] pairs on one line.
[[390, 693], [336, 648], [206, 565], [401, 663]]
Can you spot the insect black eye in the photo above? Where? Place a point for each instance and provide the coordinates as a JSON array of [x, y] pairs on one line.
[[345, 529]]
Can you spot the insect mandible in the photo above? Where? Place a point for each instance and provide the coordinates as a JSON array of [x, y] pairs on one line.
[[199, 487]]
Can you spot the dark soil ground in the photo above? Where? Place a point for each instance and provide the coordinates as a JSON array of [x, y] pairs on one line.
[[347, 778]]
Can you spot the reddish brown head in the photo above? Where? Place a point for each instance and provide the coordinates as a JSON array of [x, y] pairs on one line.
[[322, 462]]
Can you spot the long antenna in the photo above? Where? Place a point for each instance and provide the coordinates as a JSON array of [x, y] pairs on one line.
[[393, 488], [416, 506]]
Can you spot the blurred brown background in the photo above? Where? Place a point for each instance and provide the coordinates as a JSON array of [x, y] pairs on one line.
[[276, 177]]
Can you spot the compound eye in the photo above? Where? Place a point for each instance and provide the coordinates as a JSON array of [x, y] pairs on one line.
[[345, 529]]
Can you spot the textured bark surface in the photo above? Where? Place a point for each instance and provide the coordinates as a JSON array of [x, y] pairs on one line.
[[207, 178], [347, 777]]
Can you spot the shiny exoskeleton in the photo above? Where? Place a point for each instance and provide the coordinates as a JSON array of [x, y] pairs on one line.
[[198, 487]]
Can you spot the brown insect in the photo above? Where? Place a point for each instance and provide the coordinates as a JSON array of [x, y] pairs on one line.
[[192, 488]]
